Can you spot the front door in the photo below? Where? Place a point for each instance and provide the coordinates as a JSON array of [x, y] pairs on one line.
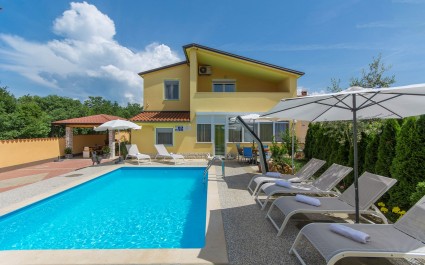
[[219, 146]]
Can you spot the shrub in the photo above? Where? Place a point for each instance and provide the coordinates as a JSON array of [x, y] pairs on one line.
[[406, 166], [68, 150], [309, 141], [418, 194], [287, 139], [393, 215], [371, 154], [386, 147], [106, 149]]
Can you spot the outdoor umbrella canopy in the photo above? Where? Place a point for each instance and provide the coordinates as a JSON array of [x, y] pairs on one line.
[[352, 104], [118, 125]]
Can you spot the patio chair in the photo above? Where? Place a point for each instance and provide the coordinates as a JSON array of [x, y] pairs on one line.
[[133, 152], [323, 185], [306, 172], [404, 239], [247, 153], [371, 188], [162, 152]]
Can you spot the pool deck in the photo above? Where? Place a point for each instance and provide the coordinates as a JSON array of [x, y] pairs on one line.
[[237, 232]]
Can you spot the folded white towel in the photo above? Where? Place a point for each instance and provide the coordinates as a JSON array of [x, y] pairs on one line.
[[295, 180], [350, 233], [307, 200], [273, 174], [283, 183]]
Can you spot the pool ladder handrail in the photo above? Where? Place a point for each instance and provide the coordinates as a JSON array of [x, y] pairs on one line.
[[210, 163]]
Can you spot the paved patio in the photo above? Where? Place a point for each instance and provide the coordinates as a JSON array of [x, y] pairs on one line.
[[250, 238]]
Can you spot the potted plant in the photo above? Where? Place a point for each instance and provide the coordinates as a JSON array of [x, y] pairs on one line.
[[106, 151], [68, 152]]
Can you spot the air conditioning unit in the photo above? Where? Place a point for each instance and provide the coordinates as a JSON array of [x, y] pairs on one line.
[[204, 70]]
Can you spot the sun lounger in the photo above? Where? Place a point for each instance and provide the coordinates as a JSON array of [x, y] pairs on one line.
[[306, 172], [371, 188], [163, 153], [321, 186], [133, 152], [404, 239]]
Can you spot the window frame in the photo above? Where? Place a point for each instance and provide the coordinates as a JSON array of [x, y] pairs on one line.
[[211, 135], [165, 87], [172, 135], [223, 82]]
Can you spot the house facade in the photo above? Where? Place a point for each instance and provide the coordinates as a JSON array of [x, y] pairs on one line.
[[188, 105]]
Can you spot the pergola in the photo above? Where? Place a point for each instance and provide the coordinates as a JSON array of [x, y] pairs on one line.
[[88, 122]]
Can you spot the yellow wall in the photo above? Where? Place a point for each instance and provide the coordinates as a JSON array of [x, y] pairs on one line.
[[184, 142], [244, 83], [80, 141], [235, 102], [22, 151], [301, 131], [16, 152], [154, 89]]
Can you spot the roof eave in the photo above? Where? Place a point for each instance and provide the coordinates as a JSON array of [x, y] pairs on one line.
[[162, 68], [194, 45]]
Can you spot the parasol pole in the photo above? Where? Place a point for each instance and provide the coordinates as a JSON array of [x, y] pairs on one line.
[[356, 173]]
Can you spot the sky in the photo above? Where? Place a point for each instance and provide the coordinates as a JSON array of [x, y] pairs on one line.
[[96, 48]]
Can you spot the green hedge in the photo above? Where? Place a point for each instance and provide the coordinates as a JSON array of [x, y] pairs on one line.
[[393, 151]]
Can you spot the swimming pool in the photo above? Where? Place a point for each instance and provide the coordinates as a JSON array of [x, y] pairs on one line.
[[129, 208]]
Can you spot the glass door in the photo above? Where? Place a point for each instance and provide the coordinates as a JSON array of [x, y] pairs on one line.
[[219, 141]]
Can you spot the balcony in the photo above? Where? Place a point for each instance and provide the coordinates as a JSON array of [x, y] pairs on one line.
[[236, 101]]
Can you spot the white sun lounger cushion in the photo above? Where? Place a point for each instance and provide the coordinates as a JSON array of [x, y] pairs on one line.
[[350, 233], [307, 200], [283, 183], [273, 174]]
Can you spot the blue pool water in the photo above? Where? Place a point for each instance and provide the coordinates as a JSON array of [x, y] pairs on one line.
[[126, 208]]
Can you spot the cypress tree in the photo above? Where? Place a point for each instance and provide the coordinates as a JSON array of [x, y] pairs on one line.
[[419, 161], [405, 167], [309, 141], [364, 141], [371, 154], [386, 148]]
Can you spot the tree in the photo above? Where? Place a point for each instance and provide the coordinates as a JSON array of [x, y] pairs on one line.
[[407, 166], [386, 148], [309, 140], [29, 120], [374, 77], [7, 107], [371, 154]]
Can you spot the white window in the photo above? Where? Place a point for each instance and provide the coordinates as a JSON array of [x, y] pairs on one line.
[[279, 128], [224, 85], [266, 132], [203, 134], [235, 133], [171, 89], [164, 136]]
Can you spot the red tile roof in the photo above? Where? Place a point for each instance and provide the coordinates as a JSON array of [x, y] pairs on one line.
[[89, 120], [162, 116]]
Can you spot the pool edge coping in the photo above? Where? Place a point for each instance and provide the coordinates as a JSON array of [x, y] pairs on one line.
[[214, 252]]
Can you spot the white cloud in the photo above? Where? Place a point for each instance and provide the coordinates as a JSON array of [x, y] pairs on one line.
[[87, 60], [310, 92]]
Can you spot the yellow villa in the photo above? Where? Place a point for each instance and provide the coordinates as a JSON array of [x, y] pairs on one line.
[[187, 105]]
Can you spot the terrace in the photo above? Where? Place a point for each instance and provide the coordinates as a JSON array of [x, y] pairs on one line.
[[237, 232]]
